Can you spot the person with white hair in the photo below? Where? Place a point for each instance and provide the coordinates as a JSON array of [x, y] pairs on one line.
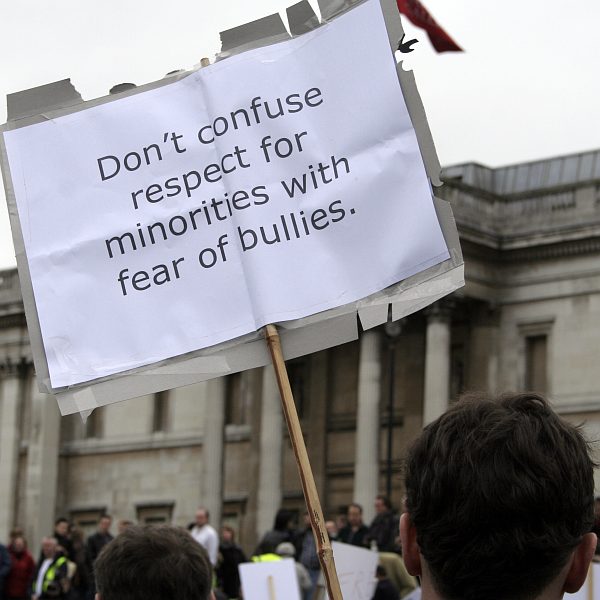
[[287, 550]]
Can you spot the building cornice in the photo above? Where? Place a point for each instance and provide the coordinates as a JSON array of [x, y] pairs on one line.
[[565, 249]]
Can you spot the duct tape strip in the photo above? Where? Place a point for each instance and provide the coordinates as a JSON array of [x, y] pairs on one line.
[[393, 22], [302, 18], [420, 124], [153, 380], [373, 315], [333, 8], [85, 401], [262, 32], [59, 94], [410, 298], [85, 415], [428, 292], [318, 336]]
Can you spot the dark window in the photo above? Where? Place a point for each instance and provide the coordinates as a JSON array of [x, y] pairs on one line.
[[457, 370], [160, 418], [297, 373], [536, 377], [93, 425], [237, 400]]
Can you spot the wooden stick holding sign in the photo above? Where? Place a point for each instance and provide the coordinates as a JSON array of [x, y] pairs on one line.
[[271, 585], [309, 487]]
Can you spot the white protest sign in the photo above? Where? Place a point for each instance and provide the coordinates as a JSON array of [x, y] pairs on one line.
[[273, 185], [356, 570], [275, 580]]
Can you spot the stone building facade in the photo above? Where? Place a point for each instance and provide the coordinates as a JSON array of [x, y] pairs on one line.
[[528, 317]]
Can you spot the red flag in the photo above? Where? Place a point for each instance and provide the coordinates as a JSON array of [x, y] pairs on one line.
[[419, 16]]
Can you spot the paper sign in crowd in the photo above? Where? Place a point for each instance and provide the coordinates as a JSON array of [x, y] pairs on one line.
[[277, 580]]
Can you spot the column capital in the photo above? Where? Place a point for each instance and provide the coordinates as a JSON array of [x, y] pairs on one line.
[[10, 367], [485, 315], [440, 311]]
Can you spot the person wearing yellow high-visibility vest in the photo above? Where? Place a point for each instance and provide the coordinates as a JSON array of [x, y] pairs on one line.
[[51, 573]]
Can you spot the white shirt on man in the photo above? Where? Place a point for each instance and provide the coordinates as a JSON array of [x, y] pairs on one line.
[[207, 536]]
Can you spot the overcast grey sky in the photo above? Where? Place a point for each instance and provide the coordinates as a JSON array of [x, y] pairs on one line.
[[526, 88]]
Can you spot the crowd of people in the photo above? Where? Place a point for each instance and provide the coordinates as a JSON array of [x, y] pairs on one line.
[[288, 540], [381, 535], [499, 506], [64, 567]]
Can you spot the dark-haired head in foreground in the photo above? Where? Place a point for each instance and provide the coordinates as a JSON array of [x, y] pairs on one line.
[[153, 563], [500, 502]]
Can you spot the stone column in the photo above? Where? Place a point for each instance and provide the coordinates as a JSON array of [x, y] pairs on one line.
[[317, 425], [483, 362], [271, 448], [366, 475], [42, 465], [437, 362], [11, 397], [213, 449]]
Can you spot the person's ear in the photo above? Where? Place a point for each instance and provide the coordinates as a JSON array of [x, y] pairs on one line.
[[410, 548], [580, 563]]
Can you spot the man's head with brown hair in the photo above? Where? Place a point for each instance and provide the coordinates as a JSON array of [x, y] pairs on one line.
[[153, 563], [354, 514], [500, 502]]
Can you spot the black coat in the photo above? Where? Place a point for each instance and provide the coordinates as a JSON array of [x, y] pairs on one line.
[[227, 569]]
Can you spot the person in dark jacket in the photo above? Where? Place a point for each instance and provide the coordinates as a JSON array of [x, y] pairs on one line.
[[385, 589], [383, 530], [63, 537], [230, 556], [50, 576], [4, 568], [282, 532], [18, 582], [306, 552], [94, 545], [355, 531], [80, 579]]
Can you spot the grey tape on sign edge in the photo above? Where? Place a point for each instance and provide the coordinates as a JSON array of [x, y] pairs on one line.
[[302, 18], [176, 373], [420, 125], [262, 32], [294, 342], [27, 103], [333, 8], [85, 415], [85, 400], [429, 292], [51, 111], [319, 335], [448, 224]]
